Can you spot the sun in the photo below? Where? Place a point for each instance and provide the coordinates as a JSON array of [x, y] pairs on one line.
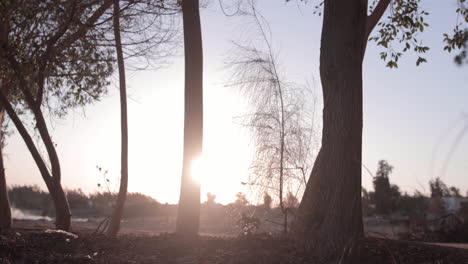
[[198, 170]]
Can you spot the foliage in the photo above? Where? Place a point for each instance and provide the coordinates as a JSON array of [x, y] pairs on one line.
[[291, 201], [405, 21], [412, 205], [210, 199], [31, 198], [459, 37], [385, 195], [439, 189], [248, 224], [98, 204], [241, 199], [78, 199], [400, 31], [38, 34], [267, 200]]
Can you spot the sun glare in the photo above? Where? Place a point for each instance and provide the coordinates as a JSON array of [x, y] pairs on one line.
[[198, 170]]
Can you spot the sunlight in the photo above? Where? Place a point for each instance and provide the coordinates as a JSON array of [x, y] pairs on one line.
[[199, 170]]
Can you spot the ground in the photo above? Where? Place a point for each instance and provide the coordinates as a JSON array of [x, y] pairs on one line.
[[27, 245]]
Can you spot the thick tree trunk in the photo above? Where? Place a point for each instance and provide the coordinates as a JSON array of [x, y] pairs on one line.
[[189, 203], [5, 210], [119, 206], [330, 212]]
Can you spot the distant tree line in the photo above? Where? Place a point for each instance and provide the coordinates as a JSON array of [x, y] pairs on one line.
[[387, 199], [98, 204]]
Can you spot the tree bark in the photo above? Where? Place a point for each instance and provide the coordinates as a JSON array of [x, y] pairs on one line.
[[5, 210], [189, 203], [119, 206], [330, 211]]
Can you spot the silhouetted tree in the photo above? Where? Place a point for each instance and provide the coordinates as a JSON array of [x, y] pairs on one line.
[[281, 121], [438, 188], [330, 210], [59, 67], [241, 199], [291, 201], [41, 60], [385, 195], [114, 225], [267, 200], [455, 192], [210, 199], [188, 218]]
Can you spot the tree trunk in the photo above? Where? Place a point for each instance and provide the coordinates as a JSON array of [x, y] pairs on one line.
[[62, 209], [189, 203], [330, 212], [5, 210], [119, 206]]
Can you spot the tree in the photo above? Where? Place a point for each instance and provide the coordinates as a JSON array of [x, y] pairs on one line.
[[5, 211], [41, 59], [331, 206], [455, 192], [458, 40], [267, 201], [241, 199], [385, 195], [280, 121], [210, 199], [330, 210], [56, 68], [114, 225], [438, 188], [188, 218], [291, 201]]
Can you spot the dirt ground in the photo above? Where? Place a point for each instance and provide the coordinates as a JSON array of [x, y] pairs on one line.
[[35, 245]]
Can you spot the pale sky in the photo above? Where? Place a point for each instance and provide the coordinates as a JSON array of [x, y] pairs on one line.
[[408, 113]]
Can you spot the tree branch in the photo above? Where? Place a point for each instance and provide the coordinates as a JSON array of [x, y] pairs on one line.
[[84, 28], [50, 44], [376, 15]]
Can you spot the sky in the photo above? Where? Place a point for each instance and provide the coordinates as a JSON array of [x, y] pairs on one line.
[[411, 114]]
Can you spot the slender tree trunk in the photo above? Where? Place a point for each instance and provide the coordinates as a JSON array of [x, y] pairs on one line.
[[119, 206], [62, 209], [5, 210], [330, 212], [189, 203]]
